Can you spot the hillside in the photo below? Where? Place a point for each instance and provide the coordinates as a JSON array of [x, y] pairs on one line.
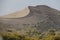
[[41, 16]]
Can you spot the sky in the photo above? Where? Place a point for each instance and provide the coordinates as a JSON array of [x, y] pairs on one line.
[[10, 6]]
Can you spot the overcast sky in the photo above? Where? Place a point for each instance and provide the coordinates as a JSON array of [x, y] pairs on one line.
[[9, 6]]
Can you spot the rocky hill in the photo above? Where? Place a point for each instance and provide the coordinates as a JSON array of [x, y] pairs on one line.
[[41, 16]]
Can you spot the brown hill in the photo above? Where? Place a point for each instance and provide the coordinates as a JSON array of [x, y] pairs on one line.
[[42, 17]]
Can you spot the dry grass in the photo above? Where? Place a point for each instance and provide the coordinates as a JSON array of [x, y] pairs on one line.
[[49, 35]]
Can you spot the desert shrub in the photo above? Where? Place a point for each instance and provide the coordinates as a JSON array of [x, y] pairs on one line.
[[31, 34], [52, 32], [57, 38], [11, 36]]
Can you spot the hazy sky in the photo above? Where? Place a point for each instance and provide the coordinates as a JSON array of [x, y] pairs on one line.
[[9, 6]]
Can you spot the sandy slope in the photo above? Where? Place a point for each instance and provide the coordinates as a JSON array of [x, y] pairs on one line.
[[18, 14]]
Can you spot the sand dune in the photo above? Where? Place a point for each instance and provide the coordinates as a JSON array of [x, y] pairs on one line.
[[18, 14]]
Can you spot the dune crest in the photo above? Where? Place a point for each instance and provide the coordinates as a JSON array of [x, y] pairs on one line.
[[18, 14]]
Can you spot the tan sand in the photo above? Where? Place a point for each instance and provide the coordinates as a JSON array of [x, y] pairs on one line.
[[18, 14]]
